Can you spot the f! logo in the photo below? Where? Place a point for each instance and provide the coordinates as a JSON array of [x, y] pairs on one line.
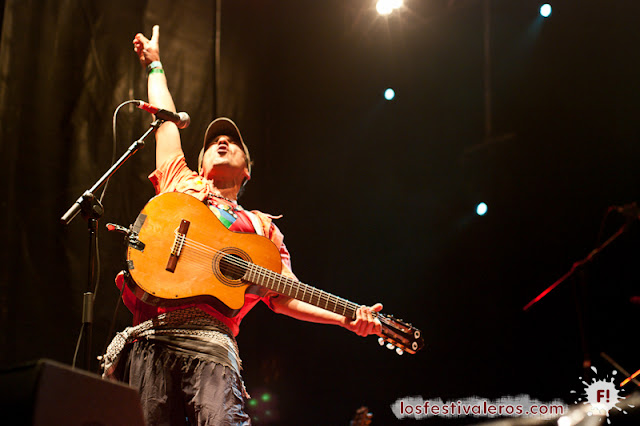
[[602, 393]]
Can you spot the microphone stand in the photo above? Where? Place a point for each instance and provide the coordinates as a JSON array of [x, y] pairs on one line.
[[576, 266], [92, 210], [580, 295]]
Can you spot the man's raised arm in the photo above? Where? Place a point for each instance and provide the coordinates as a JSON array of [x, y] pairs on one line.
[[168, 144]]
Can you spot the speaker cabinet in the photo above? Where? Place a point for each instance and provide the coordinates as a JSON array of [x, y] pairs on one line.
[[50, 393]]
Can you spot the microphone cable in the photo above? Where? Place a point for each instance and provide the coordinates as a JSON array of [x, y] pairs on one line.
[[96, 284]]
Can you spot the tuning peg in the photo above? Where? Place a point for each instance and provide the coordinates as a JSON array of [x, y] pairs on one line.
[[399, 351], [390, 346], [381, 341]]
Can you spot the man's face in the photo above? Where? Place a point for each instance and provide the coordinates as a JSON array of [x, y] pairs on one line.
[[224, 155]]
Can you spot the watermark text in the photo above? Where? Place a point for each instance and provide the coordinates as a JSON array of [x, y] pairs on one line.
[[519, 406]]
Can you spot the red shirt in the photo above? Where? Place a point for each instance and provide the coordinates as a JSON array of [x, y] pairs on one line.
[[175, 176]]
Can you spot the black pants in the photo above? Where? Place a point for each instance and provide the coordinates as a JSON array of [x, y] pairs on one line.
[[179, 389]]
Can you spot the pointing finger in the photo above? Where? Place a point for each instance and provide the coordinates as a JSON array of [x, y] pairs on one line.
[[156, 33]]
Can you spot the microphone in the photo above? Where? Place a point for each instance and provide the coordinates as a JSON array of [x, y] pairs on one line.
[[181, 119]]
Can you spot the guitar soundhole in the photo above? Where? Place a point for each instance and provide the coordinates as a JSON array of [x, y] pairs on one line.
[[232, 266]]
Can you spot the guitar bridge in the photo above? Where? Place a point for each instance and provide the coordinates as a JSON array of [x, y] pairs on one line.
[[178, 243]]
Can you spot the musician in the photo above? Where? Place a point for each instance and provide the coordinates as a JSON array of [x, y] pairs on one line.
[[184, 360]]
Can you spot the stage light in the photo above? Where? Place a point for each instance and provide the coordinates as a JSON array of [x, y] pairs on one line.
[[545, 10], [389, 94], [385, 7], [265, 397], [481, 209]]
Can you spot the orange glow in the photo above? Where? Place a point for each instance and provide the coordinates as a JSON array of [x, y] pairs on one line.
[[629, 378]]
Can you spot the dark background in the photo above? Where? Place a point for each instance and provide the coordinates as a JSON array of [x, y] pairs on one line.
[[378, 197]]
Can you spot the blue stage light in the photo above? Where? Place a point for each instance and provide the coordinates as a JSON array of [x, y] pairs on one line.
[[545, 10], [389, 94]]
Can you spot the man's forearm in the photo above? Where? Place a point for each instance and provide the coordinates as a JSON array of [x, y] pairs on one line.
[[158, 91], [306, 312], [364, 324]]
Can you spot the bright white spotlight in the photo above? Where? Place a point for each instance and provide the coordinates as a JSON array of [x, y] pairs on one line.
[[389, 94], [385, 7], [481, 209], [545, 10]]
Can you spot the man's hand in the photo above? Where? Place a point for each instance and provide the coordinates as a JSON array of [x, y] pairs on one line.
[[147, 50], [365, 324]]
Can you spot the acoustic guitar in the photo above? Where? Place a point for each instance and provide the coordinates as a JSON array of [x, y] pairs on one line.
[[178, 252]]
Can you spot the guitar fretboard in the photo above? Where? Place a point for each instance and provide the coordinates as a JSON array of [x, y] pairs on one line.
[[300, 291]]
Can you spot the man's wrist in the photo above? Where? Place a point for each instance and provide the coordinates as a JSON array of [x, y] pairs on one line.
[[155, 66]]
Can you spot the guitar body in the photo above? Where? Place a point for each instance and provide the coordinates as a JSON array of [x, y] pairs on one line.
[[200, 269]]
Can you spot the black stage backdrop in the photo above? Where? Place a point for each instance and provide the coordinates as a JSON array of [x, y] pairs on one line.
[[378, 197]]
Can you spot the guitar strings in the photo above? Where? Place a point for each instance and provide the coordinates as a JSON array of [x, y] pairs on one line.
[[192, 258], [205, 253], [200, 255], [194, 255]]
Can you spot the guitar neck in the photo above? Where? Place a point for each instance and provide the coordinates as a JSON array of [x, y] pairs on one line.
[[395, 332], [300, 291]]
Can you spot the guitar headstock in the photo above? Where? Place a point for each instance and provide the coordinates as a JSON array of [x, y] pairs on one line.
[[399, 335]]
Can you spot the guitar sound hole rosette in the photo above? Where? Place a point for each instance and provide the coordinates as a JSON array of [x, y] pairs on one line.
[[229, 266]]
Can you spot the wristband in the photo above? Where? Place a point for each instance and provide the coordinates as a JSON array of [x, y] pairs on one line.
[[154, 65], [156, 71]]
